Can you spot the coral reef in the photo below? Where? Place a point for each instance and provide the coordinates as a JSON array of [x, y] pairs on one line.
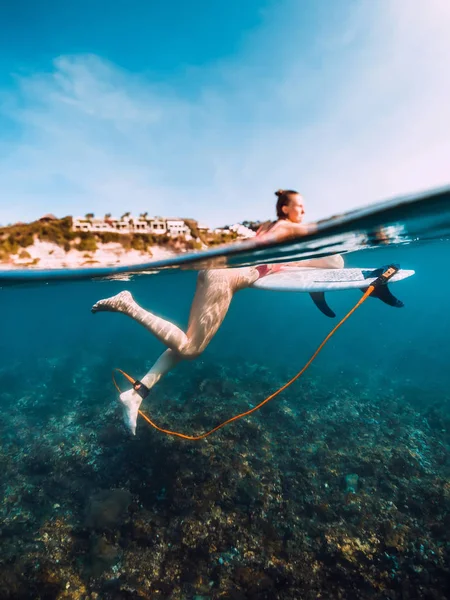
[[326, 492]]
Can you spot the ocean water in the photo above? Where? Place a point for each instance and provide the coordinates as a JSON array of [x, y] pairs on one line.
[[338, 488]]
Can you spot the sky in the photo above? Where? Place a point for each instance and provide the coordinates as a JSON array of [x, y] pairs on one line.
[[204, 109]]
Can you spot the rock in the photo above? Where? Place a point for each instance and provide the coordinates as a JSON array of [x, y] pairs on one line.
[[103, 555], [107, 509]]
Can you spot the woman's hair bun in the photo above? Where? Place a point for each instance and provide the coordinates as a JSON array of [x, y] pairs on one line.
[[279, 193]]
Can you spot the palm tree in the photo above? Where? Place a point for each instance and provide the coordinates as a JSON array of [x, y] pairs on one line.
[[143, 216], [89, 216]]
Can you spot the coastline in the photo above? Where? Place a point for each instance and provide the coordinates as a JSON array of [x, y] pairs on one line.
[[48, 255]]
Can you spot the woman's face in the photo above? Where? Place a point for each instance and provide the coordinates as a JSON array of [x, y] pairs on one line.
[[295, 210]]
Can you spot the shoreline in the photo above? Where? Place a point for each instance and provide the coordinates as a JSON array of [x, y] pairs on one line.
[[48, 255]]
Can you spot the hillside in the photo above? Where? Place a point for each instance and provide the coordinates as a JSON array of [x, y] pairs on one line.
[[53, 243]]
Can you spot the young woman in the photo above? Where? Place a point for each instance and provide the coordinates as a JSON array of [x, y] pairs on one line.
[[214, 292]]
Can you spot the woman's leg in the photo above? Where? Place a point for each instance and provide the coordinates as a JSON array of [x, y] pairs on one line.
[[212, 299], [168, 333], [213, 295], [131, 401]]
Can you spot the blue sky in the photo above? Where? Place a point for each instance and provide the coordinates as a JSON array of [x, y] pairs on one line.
[[204, 109]]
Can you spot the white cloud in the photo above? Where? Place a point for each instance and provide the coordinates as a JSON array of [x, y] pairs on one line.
[[349, 104]]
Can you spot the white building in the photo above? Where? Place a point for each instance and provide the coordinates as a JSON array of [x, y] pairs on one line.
[[99, 225], [172, 226], [242, 231], [80, 224], [157, 226], [176, 227]]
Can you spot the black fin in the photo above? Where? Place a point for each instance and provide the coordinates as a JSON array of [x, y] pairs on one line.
[[383, 293], [321, 303]]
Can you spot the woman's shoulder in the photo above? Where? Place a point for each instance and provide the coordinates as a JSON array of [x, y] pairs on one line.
[[283, 228], [274, 227], [265, 227]]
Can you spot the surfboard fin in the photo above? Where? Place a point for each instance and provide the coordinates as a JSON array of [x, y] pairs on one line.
[[383, 293], [319, 300]]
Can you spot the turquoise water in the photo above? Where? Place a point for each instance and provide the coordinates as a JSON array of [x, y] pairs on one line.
[[339, 487]]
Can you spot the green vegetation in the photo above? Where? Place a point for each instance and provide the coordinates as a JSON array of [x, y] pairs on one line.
[[109, 236], [217, 239], [22, 235], [88, 242], [142, 241], [193, 245]]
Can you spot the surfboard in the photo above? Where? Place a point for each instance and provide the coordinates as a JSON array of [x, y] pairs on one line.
[[307, 279], [318, 281]]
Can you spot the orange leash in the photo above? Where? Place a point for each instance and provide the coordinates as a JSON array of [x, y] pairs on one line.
[[137, 384]]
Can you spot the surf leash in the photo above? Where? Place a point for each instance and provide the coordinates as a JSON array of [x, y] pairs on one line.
[[143, 391]]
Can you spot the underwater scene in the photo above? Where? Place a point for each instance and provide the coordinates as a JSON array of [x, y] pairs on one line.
[[339, 487]]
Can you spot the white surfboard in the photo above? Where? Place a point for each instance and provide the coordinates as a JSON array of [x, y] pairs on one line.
[[307, 279], [318, 281]]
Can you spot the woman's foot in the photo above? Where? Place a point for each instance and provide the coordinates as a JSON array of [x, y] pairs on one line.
[[118, 303], [131, 401]]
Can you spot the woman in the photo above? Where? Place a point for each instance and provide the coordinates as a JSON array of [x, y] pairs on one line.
[[214, 292]]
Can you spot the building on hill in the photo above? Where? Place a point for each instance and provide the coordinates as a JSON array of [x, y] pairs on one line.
[[242, 231], [172, 226], [176, 226], [157, 226]]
